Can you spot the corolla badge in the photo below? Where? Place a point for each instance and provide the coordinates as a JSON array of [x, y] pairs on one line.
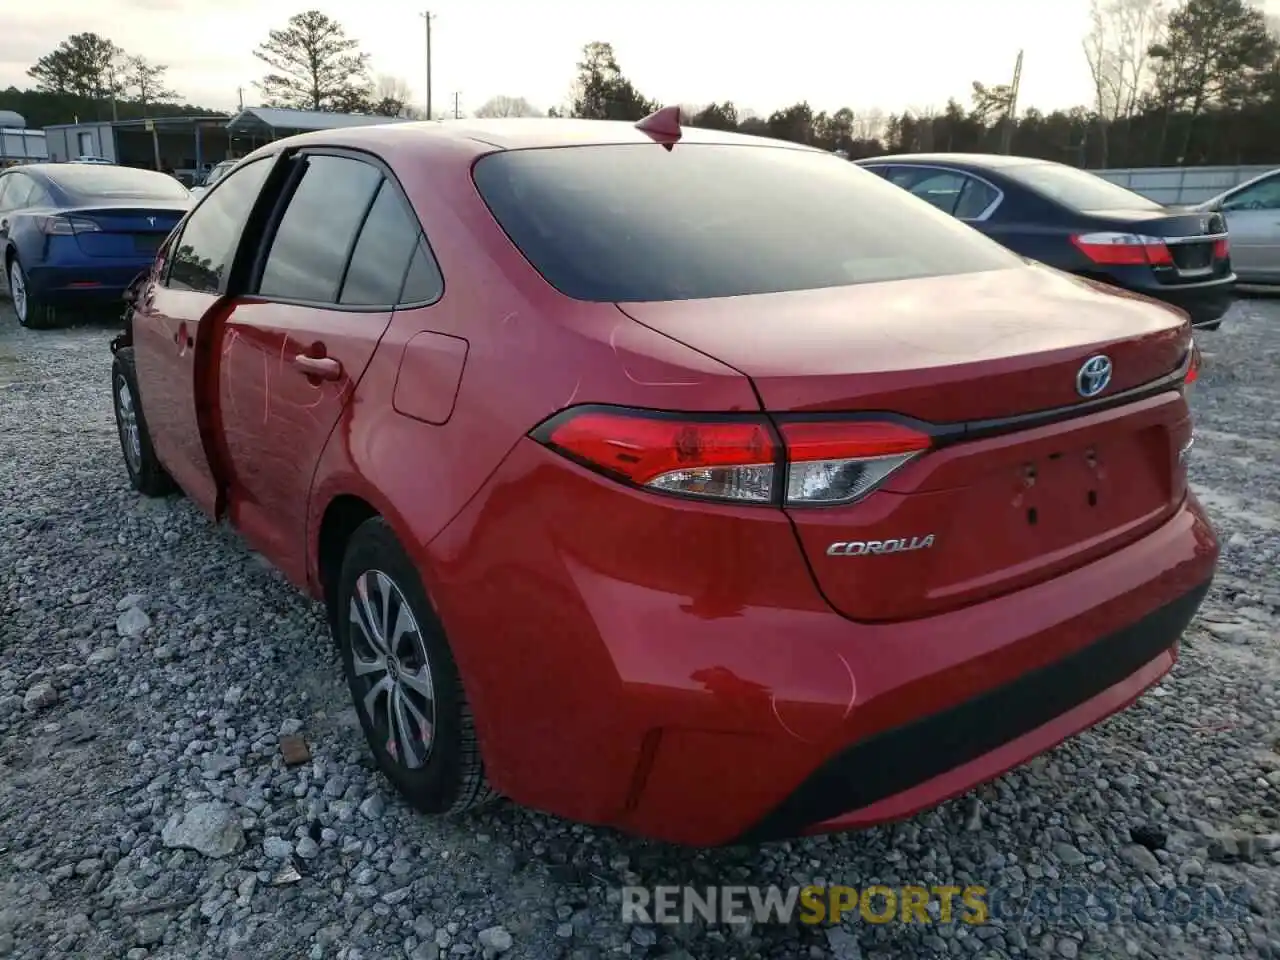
[[857, 548], [1094, 376]]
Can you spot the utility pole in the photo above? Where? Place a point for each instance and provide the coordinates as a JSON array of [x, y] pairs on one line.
[[428, 16], [457, 110], [240, 94], [1006, 138]]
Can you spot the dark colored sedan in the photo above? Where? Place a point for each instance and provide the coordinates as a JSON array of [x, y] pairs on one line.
[[79, 233], [1080, 223]]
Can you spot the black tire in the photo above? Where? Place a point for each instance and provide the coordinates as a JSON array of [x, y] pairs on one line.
[[448, 777], [146, 475], [33, 313]]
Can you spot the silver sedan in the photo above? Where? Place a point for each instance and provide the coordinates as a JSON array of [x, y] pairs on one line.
[[1253, 223]]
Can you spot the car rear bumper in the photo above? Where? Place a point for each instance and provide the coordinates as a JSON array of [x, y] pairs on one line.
[[672, 671], [1205, 303], [84, 282]]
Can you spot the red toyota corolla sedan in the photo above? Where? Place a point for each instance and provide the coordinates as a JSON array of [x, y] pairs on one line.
[[704, 486]]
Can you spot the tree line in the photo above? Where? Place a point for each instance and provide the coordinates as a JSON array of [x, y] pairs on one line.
[[1197, 83]]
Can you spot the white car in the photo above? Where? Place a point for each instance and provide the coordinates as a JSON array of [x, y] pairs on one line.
[[213, 176]]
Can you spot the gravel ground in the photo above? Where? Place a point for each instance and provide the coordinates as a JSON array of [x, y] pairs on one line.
[[150, 665]]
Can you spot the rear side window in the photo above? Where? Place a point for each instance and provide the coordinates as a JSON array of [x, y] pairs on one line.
[[381, 257], [208, 242], [638, 223], [319, 226]]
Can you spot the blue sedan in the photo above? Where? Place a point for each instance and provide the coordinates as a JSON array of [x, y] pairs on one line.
[[78, 234]]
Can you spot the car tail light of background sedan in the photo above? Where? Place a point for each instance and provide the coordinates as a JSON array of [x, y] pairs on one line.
[[1124, 249], [736, 459]]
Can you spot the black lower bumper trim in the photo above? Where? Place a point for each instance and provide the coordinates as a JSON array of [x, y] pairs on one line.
[[900, 758]]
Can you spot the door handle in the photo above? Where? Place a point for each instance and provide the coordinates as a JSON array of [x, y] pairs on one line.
[[323, 368]]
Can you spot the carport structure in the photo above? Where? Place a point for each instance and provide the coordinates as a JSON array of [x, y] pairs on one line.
[[254, 126]]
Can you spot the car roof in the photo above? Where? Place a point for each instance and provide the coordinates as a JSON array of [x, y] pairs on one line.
[[983, 161], [510, 134]]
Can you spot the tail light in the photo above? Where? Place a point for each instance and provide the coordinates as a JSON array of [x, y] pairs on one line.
[[64, 226], [1193, 369], [1124, 250], [1222, 248], [733, 458]]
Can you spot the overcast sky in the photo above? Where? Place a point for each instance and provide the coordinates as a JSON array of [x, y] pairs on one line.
[[887, 54]]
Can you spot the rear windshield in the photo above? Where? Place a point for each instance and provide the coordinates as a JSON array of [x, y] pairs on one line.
[[1075, 189], [635, 222], [91, 181]]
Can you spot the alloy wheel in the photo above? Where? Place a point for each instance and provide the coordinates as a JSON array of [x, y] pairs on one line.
[[390, 665], [18, 291], [127, 418]]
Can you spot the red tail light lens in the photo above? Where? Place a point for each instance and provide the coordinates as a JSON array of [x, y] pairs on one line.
[[840, 462], [1193, 368], [726, 460], [736, 459], [1124, 250], [1222, 248]]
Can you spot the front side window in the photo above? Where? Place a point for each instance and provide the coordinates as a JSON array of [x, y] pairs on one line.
[[636, 222], [207, 245], [1263, 195], [309, 250]]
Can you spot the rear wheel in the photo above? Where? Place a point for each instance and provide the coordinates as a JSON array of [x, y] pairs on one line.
[[403, 678], [146, 475], [32, 312]]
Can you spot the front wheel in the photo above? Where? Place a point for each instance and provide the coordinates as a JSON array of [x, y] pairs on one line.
[[146, 475], [32, 312], [403, 678]]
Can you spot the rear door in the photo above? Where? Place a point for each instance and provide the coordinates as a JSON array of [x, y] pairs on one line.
[[189, 289], [293, 350], [1253, 221]]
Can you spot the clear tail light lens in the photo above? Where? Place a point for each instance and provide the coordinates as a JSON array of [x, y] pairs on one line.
[[1124, 250], [736, 459], [835, 461]]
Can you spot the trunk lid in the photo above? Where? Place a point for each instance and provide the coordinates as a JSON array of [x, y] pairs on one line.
[[125, 232], [999, 506], [945, 349], [1196, 241]]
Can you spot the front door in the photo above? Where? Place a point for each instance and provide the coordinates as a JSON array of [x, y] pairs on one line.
[[183, 295], [293, 351]]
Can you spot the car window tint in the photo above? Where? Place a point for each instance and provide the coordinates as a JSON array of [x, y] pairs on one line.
[[205, 249], [310, 246], [381, 256], [423, 283], [89, 181], [1077, 190], [1264, 195], [940, 188], [975, 198], [635, 222], [20, 188]]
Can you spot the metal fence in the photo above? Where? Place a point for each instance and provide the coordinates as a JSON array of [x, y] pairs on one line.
[[1178, 185]]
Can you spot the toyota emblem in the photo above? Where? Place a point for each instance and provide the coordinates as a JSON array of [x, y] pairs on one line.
[[1094, 376]]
